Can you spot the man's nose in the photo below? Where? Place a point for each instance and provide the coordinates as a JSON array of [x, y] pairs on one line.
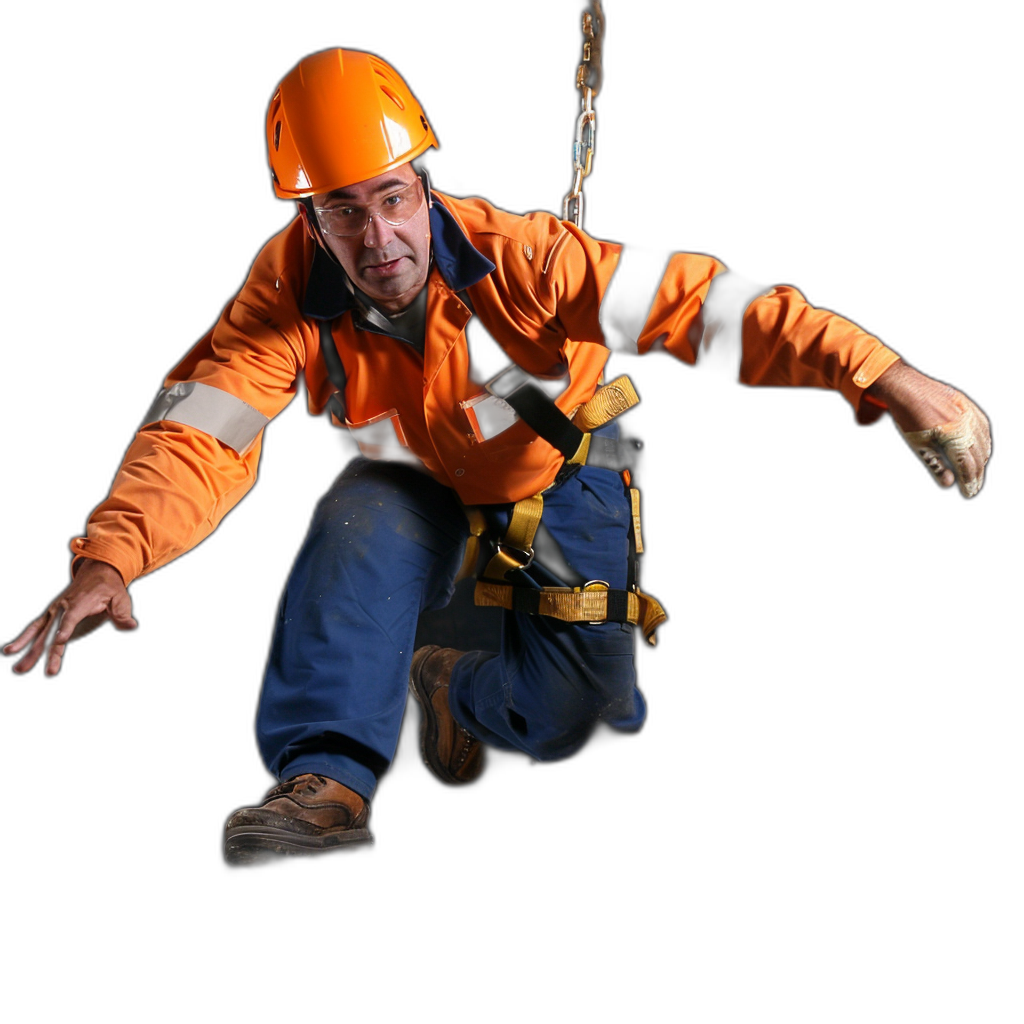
[[378, 232]]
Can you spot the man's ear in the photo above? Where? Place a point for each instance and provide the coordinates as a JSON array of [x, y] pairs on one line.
[[313, 228], [305, 213], [425, 181]]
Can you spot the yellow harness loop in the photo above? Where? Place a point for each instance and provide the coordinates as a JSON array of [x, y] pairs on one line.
[[609, 401]]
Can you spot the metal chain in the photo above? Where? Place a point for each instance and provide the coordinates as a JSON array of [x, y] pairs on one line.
[[588, 81]]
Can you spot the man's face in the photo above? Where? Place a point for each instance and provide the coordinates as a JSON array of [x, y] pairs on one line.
[[387, 262]]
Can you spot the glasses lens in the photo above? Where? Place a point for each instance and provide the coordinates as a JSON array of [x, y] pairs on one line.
[[352, 219], [399, 206], [341, 219]]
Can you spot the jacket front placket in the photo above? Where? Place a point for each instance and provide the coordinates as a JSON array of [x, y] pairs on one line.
[[446, 379]]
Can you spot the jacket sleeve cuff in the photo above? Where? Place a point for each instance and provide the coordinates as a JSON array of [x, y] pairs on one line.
[[860, 377], [122, 561]]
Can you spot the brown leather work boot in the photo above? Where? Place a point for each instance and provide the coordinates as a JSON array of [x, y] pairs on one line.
[[305, 814], [450, 752]]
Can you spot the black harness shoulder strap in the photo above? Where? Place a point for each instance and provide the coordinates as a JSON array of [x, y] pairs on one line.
[[335, 370], [512, 384]]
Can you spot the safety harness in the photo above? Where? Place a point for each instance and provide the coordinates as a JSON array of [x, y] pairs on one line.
[[500, 562]]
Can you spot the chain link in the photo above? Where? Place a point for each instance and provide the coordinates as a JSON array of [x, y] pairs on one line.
[[588, 81]]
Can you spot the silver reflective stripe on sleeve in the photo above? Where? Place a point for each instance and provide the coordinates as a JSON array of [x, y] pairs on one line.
[[215, 412], [630, 295], [721, 343]]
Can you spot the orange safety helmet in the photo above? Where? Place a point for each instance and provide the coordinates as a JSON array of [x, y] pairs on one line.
[[339, 117]]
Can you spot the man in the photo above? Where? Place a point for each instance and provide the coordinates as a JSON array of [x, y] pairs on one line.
[[464, 348]]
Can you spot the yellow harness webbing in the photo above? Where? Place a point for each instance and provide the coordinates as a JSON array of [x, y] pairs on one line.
[[595, 602], [609, 401], [515, 549], [592, 603]]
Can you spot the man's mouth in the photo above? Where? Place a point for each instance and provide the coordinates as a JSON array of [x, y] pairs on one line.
[[384, 269]]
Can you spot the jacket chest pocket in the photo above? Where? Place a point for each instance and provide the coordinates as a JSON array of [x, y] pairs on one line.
[[382, 437], [488, 415]]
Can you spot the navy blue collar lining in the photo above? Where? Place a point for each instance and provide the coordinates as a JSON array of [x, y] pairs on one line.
[[327, 295]]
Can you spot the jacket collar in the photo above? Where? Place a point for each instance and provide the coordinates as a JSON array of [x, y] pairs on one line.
[[459, 263]]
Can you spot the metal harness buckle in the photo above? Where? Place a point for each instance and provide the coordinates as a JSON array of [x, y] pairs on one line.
[[507, 549]]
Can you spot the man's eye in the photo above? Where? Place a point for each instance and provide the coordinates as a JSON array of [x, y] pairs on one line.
[[392, 201]]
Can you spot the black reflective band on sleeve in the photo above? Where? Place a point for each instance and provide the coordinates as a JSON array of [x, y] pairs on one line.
[[722, 343], [630, 295]]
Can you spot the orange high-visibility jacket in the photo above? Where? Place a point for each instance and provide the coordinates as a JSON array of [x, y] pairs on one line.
[[548, 294]]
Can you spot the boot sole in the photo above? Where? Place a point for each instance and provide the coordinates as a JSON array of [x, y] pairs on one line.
[[246, 844]]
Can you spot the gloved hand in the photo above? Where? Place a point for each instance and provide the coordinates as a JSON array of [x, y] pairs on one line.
[[963, 444], [945, 429]]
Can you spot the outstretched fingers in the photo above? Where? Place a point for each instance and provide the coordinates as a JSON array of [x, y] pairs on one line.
[[96, 593], [35, 636]]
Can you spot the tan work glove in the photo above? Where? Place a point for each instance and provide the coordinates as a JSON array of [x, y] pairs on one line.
[[945, 429], [963, 444]]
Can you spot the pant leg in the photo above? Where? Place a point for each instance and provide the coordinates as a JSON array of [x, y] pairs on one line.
[[385, 543], [554, 680]]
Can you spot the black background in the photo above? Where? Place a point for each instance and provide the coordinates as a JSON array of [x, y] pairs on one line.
[[826, 702]]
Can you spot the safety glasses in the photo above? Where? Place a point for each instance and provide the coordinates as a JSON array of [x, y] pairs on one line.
[[347, 219]]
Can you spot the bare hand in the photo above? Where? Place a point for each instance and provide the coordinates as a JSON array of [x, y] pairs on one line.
[[97, 593], [946, 430]]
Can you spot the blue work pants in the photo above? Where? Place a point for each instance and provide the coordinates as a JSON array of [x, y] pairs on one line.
[[385, 544]]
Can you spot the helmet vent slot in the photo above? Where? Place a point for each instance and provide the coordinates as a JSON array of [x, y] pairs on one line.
[[393, 96], [277, 136]]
